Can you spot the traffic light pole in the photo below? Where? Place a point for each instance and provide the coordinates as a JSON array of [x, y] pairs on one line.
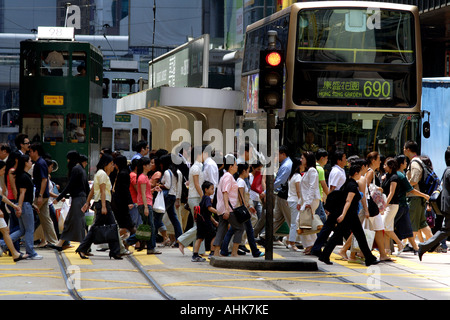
[[270, 197]]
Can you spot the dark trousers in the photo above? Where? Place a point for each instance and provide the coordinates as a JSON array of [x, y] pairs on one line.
[[101, 219], [325, 232], [432, 243], [351, 223]]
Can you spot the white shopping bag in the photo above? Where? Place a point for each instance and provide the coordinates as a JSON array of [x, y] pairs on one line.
[[370, 237], [159, 205]]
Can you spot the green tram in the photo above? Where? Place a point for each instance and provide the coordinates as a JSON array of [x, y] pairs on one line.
[[61, 99]]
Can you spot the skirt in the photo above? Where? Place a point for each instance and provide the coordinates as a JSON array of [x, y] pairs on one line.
[[75, 223]]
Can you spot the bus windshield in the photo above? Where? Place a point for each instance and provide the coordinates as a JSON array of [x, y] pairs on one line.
[[354, 133], [355, 36]]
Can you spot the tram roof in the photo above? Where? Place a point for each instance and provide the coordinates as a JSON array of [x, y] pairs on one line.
[[10, 42]]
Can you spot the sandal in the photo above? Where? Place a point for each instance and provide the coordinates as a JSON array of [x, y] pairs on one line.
[[21, 257]]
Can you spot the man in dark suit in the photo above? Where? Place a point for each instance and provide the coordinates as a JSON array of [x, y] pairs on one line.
[[432, 243]]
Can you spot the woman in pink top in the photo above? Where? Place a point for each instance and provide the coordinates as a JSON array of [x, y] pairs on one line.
[[145, 200], [135, 217], [227, 199]]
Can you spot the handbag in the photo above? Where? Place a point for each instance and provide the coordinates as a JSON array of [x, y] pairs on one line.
[[316, 226], [370, 237], [305, 219], [284, 191], [241, 213], [373, 207], [144, 231], [159, 205], [105, 233]]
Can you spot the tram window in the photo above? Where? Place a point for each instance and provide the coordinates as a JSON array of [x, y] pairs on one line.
[[105, 88], [122, 87], [29, 63], [53, 127], [107, 138], [76, 128], [54, 63], [32, 126], [79, 64], [135, 138], [122, 139]]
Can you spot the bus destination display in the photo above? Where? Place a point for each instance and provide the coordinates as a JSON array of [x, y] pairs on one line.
[[340, 88]]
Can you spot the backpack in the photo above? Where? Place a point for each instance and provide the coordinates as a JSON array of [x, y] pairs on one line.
[[430, 181], [335, 201]]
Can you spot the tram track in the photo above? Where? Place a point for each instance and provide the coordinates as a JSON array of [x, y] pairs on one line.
[[75, 294]]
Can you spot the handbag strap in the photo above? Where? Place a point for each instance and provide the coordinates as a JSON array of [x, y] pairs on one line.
[[242, 200]]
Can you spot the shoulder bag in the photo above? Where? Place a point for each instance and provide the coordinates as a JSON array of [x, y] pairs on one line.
[[241, 213]]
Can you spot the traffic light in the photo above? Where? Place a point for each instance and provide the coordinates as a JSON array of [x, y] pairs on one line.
[[271, 69]]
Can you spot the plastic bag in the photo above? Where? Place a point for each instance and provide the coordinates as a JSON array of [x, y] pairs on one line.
[[370, 237], [159, 205], [378, 197]]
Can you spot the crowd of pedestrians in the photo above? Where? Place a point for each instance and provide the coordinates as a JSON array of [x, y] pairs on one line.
[[199, 189]]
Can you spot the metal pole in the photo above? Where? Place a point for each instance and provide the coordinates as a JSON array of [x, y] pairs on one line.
[[270, 197]]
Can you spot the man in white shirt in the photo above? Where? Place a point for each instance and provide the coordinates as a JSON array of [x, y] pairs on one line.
[[210, 169], [337, 175]]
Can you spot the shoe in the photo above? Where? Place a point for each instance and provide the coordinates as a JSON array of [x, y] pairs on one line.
[[125, 253], [258, 255], [293, 248], [153, 251], [326, 261], [55, 247], [118, 257], [420, 252], [241, 253], [244, 248], [400, 250], [372, 262], [408, 248], [82, 255], [102, 249], [36, 257], [198, 259], [21, 257]]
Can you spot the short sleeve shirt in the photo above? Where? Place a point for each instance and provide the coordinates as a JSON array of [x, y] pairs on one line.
[[352, 186], [102, 178], [40, 171], [195, 170], [229, 185], [321, 177], [403, 188], [337, 177], [143, 179], [292, 193], [386, 185], [24, 181], [414, 173]]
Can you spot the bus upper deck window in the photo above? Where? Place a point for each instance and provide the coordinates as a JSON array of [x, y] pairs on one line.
[[54, 63]]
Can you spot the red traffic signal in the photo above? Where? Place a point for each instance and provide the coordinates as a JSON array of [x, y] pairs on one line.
[[271, 74], [273, 58]]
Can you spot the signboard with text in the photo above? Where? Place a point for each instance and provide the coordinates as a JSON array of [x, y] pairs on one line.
[[185, 66]]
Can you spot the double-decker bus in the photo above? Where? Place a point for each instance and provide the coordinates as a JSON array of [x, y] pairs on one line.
[[60, 89], [352, 76]]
